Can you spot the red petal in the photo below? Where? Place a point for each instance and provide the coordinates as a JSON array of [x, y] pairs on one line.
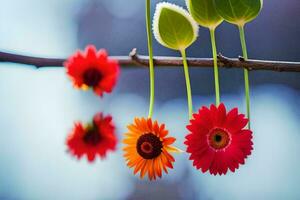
[[90, 52], [221, 115], [231, 116], [203, 119]]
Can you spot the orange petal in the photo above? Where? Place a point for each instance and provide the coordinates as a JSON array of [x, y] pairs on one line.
[[129, 141], [137, 122], [173, 149], [149, 122], [156, 128], [145, 125], [134, 130], [128, 147], [139, 165], [169, 156], [132, 162], [163, 161], [163, 133], [167, 162], [157, 167], [169, 140], [144, 169], [150, 167], [130, 135]]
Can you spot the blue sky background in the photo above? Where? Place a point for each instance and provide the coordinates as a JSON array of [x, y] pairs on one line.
[[38, 107]]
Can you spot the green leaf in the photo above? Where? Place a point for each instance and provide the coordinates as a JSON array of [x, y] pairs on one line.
[[173, 26], [238, 12], [204, 12]]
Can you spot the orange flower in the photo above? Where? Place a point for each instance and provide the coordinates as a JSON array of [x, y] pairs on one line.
[[147, 148]]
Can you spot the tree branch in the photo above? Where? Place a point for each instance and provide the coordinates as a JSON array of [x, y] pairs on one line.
[[134, 59]]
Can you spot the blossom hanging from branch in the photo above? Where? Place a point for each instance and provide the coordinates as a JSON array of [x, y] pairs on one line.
[[218, 140], [147, 148], [93, 69]]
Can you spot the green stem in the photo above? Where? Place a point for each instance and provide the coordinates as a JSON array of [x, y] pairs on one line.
[[188, 83], [150, 50], [216, 72], [246, 72]]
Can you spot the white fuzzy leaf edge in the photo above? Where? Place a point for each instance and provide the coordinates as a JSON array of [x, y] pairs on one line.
[[177, 9]]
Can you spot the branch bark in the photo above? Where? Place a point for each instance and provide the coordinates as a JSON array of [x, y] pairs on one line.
[[136, 60]]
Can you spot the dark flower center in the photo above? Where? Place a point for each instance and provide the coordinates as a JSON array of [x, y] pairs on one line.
[[219, 139], [92, 137], [91, 77], [149, 146]]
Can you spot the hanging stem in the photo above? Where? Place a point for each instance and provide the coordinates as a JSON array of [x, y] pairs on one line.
[[188, 83], [246, 72], [150, 51], [216, 72]]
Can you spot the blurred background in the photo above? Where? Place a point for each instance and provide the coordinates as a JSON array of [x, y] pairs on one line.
[[38, 107]]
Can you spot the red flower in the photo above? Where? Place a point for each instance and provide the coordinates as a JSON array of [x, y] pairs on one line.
[[93, 69], [95, 138], [218, 140]]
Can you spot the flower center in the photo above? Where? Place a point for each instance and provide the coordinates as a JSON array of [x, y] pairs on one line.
[[149, 146], [92, 137], [91, 77], [218, 139]]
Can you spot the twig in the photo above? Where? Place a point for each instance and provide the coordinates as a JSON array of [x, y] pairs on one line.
[[134, 60]]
